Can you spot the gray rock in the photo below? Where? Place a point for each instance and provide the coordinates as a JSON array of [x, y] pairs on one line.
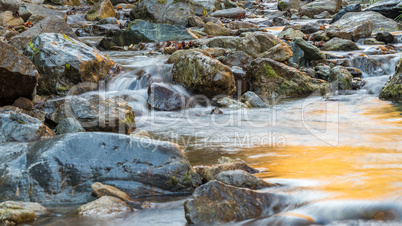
[[284, 5], [323, 15], [69, 125], [298, 55], [22, 127], [62, 169], [18, 76], [322, 72], [280, 21], [109, 20], [229, 13], [338, 44], [43, 12], [209, 5], [343, 77], [227, 102], [347, 9], [241, 179], [393, 89], [9, 5], [317, 7], [388, 8], [169, 11], [195, 21], [64, 62], [310, 52], [48, 25], [96, 30], [368, 65], [290, 34], [165, 97], [385, 37], [143, 31], [252, 99]]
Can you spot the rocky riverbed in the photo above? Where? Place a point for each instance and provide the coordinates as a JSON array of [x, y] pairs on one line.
[[158, 112]]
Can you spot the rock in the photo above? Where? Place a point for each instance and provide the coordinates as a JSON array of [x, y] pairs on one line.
[[241, 79], [380, 50], [281, 52], [24, 12], [322, 72], [96, 113], [298, 55], [356, 73], [69, 125], [258, 42], [322, 15], [317, 7], [352, 31], [236, 58], [393, 89], [62, 169], [216, 30], [216, 111], [101, 10], [23, 103], [368, 65], [385, 37], [343, 77], [96, 30], [37, 208], [42, 12], [8, 19], [319, 36], [14, 213], [347, 9], [104, 205], [307, 28], [279, 21], [388, 8], [208, 173], [227, 102], [338, 44], [64, 62], [268, 77], [23, 128], [290, 34], [165, 97], [235, 25], [195, 21], [9, 5], [380, 22], [310, 52], [213, 20], [229, 13], [216, 202], [109, 20], [241, 179], [101, 190], [48, 25], [143, 31], [209, 5], [166, 11], [252, 99], [202, 74], [141, 134], [223, 42], [284, 5], [18, 76]]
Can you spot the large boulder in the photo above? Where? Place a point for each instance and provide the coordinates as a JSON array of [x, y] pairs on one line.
[[216, 202], [103, 206], [393, 89], [18, 75], [352, 31], [317, 7], [354, 19], [347, 9], [12, 213], [48, 25], [338, 44], [62, 169], [268, 77], [388, 8], [96, 113], [166, 11], [310, 51], [8, 19], [21, 127], [101, 10], [143, 31], [342, 76], [63, 62], [9, 5], [41, 12], [166, 97], [202, 74]]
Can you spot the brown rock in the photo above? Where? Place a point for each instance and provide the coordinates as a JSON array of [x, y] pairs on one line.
[[8, 19], [281, 52], [101, 10], [23, 103], [216, 30], [104, 205], [101, 190]]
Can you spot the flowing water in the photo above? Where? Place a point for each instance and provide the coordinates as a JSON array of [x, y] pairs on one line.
[[338, 158]]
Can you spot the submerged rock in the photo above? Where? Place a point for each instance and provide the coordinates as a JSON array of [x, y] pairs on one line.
[[104, 205], [101, 190], [202, 74], [338, 44], [18, 76], [393, 89], [62, 169], [268, 77], [216, 202], [48, 25], [167, 11], [64, 62], [101, 10], [22, 127], [143, 31]]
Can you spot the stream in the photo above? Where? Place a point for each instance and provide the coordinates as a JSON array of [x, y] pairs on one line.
[[339, 159]]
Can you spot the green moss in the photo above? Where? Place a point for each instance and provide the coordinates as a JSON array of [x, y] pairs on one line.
[[204, 11], [282, 5], [32, 46], [267, 71], [392, 92], [69, 39], [162, 1], [68, 66], [62, 88]]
